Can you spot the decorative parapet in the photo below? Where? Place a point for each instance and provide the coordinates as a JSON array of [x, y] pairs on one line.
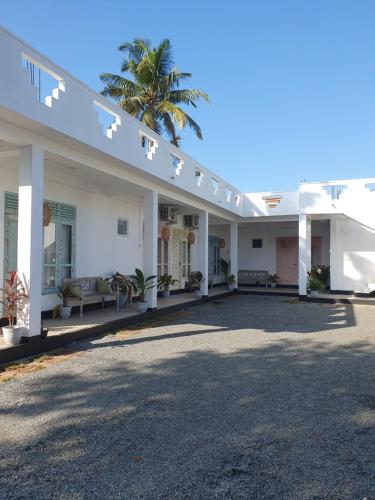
[[73, 109]]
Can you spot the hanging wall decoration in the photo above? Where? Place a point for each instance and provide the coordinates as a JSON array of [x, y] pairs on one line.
[[165, 233], [46, 214], [191, 238]]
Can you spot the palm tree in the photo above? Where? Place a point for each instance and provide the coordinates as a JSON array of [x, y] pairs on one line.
[[153, 94]]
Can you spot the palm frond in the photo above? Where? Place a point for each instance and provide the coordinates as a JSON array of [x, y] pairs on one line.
[[153, 93], [187, 96]]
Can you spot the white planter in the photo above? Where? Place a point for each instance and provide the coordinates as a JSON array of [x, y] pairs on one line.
[[122, 300], [230, 286], [198, 294], [166, 293], [314, 293], [273, 285], [12, 335], [142, 306], [65, 312]]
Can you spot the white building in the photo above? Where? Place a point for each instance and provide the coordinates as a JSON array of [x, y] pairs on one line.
[[107, 179]]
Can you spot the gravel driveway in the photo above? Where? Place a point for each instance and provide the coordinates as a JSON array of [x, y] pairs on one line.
[[246, 397]]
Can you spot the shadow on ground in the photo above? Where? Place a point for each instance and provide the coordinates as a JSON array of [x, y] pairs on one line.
[[285, 419]]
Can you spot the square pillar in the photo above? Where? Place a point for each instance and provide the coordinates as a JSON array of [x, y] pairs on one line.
[[202, 250], [304, 252], [30, 237], [150, 243], [233, 252]]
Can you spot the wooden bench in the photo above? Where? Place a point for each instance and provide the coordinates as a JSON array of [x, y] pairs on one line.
[[89, 293], [252, 277]]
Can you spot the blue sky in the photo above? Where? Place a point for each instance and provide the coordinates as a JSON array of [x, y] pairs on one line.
[[292, 82]]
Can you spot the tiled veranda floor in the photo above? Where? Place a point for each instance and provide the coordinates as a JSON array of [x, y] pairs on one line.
[[97, 317]]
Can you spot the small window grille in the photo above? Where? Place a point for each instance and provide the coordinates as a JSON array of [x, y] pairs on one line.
[[122, 227]]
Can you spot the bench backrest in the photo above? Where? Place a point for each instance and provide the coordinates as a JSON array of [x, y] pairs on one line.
[[87, 285], [251, 276]]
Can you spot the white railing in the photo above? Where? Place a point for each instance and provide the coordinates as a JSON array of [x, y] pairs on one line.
[[75, 110]]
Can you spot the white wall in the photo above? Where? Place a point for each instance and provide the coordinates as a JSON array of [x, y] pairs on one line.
[[256, 204], [99, 251], [264, 259], [353, 256]]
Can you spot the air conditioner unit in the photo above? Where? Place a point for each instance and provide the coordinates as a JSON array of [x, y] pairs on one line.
[[191, 221], [168, 214]]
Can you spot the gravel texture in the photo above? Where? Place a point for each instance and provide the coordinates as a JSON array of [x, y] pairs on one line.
[[244, 397]]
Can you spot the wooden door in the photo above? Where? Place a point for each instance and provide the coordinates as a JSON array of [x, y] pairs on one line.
[[287, 260]]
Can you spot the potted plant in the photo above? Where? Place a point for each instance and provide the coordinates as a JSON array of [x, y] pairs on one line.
[[125, 287], [142, 285], [322, 273], [314, 285], [229, 278], [13, 293], [195, 282], [64, 309], [224, 266], [231, 281], [273, 278], [165, 282]]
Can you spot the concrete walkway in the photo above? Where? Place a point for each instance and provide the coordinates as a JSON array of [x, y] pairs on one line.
[[242, 397]]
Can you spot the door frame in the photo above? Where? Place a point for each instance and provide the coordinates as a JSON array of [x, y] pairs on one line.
[[295, 240]]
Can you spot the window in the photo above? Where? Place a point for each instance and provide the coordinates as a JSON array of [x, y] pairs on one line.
[[185, 259], [214, 255], [122, 227], [162, 257], [216, 260], [58, 241], [58, 246], [258, 243]]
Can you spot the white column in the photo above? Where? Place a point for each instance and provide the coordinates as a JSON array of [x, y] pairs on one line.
[[30, 237], [202, 250], [234, 251], [150, 243], [304, 236]]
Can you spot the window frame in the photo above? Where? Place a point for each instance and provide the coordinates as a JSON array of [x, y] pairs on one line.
[[59, 221], [122, 219], [257, 247]]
